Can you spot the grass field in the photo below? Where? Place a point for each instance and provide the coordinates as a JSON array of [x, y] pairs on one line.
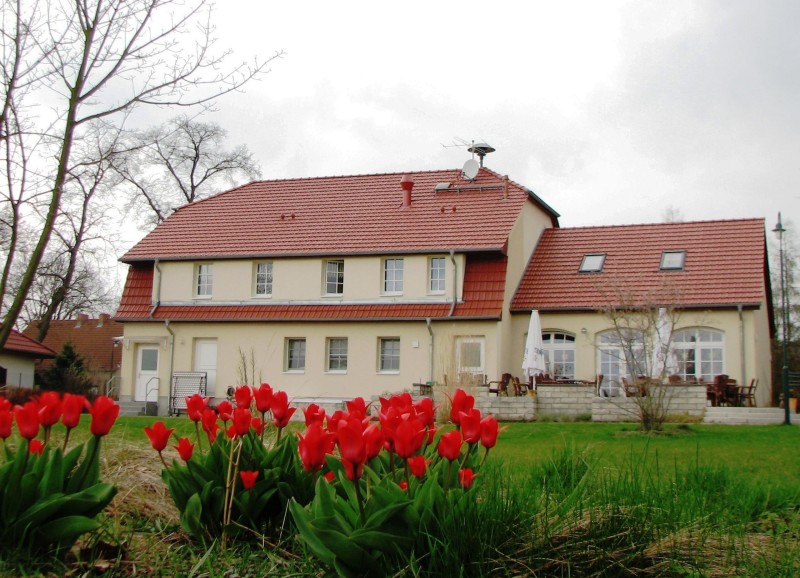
[[561, 499]]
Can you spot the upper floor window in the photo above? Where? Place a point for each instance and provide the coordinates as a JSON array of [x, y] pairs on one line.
[[389, 354], [436, 272], [673, 260], [203, 280], [334, 277], [592, 263], [559, 353], [699, 353], [295, 354], [337, 354], [264, 279], [392, 275]]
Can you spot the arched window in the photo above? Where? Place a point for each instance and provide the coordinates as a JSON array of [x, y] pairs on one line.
[[559, 353], [620, 354], [699, 353]]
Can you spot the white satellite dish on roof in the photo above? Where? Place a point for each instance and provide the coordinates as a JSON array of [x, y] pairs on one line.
[[471, 168]]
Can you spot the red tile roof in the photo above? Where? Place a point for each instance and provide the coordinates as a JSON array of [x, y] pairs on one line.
[[484, 285], [725, 266], [21, 344], [343, 215], [92, 339]]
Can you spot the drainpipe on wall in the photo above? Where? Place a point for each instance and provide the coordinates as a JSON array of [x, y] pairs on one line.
[[157, 300], [430, 348], [742, 363], [455, 282]]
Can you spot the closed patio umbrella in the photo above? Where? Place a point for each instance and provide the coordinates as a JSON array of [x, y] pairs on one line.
[[533, 360]]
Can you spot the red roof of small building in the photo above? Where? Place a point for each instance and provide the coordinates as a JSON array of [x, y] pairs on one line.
[[345, 215], [21, 344], [725, 265], [484, 285], [92, 339]]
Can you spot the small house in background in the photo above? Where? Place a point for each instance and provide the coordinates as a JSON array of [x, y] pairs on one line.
[[18, 358], [97, 341]]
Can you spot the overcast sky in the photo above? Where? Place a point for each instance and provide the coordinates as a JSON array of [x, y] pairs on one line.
[[612, 112]]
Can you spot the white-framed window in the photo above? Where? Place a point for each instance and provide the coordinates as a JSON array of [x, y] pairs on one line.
[[471, 354], [263, 279], [436, 271], [337, 354], [559, 353], [295, 354], [388, 354], [620, 354], [334, 277], [699, 352], [203, 280], [393, 275], [673, 260]]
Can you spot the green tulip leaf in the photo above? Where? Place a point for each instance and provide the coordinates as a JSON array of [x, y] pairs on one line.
[[64, 531]]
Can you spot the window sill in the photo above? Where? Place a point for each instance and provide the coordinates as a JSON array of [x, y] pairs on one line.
[[392, 372], [202, 297], [336, 372], [296, 371]]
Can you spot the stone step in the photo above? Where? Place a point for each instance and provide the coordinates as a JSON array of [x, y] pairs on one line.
[[135, 408]]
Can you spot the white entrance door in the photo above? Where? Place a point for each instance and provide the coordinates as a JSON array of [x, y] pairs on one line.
[[147, 384], [205, 359]]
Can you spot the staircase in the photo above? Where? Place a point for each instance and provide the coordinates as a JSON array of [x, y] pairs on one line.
[[136, 408], [747, 415]]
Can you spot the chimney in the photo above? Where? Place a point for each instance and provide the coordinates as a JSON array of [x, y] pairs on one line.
[[407, 183], [102, 318], [81, 318]]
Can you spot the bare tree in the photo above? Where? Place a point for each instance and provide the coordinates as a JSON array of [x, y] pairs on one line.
[[94, 60], [178, 163]]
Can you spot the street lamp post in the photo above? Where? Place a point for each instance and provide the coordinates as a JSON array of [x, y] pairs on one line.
[[779, 230]]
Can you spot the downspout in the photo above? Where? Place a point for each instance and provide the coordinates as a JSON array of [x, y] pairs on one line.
[[455, 282], [742, 363], [157, 300], [166, 323], [430, 348]]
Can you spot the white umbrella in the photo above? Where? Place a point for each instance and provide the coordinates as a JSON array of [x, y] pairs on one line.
[[533, 360]]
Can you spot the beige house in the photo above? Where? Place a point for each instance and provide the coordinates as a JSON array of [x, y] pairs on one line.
[[351, 286], [18, 358]]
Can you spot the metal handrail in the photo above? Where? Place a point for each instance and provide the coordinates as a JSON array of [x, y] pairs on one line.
[[148, 389], [110, 388]]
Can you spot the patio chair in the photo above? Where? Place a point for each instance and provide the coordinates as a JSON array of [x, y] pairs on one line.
[[747, 395], [519, 387]]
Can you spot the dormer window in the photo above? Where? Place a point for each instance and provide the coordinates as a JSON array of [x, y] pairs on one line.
[[592, 263], [673, 260]]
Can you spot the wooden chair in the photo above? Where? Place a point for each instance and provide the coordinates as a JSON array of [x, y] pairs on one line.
[[717, 391], [747, 395], [519, 387]]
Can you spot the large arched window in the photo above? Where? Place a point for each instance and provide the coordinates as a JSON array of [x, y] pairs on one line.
[[559, 353], [699, 352], [620, 354]]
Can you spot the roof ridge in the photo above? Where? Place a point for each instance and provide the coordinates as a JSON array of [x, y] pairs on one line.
[[666, 224]]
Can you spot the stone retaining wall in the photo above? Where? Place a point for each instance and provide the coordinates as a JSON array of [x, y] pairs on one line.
[[683, 400], [564, 400]]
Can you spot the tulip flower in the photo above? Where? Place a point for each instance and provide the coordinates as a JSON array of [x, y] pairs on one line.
[[195, 404], [248, 479], [6, 419], [329, 476], [185, 449], [258, 426], [263, 397], [243, 396], [408, 437], [210, 425], [281, 412], [158, 435], [49, 409], [27, 418], [104, 413], [5, 404], [373, 441], [450, 445], [418, 466], [489, 431], [314, 414], [465, 477], [72, 407], [471, 426], [426, 411], [225, 409], [403, 485], [461, 402], [36, 447], [242, 420], [352, 448], [314, 446], [357, 406]]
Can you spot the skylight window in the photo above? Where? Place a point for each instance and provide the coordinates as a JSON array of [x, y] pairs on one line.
[[592, 263], [673, 260]]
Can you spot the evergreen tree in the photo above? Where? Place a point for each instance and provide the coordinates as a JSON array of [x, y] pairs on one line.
[[68, 373]]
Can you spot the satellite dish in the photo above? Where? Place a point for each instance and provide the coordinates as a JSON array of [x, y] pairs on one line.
[[471, 168]]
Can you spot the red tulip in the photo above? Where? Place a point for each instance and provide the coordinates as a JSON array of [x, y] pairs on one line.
[[357, 406], [72, 407], [408, 437], [351, 447], [314, 446], [185, 449], [258, 426], [243, 396], [263, 396], [450, 445], [159, 435], [6, 419], [373, 440], [36, 447], [426, 412], [5, 404], [466, 477], [248, 479], [195, 404], [403, 485], [242, 420], [461, 402], [104, 413], [329, 476], [210, 425], [489, 431], [314, 414], [49, 408], [225, 409], [471, 425], [27, 418], [281, 412], [418, 465]]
